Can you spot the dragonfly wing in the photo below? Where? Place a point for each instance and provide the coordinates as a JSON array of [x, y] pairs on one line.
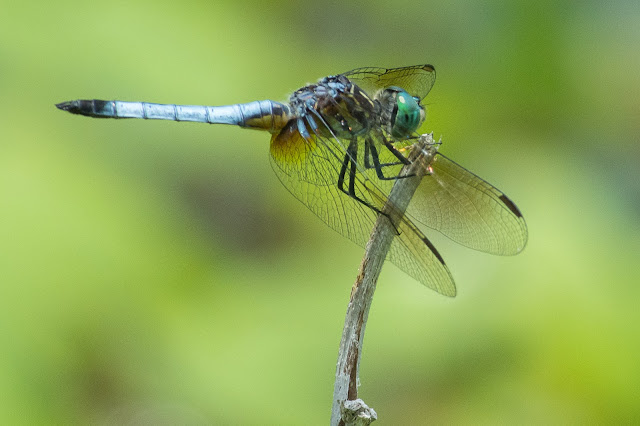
[[412, 252], [310, 168], [416, 80], [468, 209], [462, 206]]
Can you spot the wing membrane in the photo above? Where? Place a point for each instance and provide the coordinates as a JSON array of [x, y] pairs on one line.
[[416, 80], [468, 209], [464, 207]]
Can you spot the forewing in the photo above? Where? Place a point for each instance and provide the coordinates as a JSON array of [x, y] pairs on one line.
[[462, 206], [468, 209], [417, 80]]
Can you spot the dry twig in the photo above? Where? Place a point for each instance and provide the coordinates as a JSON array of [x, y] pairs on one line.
[[347, 409]]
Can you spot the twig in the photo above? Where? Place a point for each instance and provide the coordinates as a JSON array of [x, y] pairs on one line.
[[347, 370]]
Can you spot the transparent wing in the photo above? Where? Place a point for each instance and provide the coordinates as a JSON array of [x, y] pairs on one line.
[[416, 80], [464, 207], [310, 169], [469, 210]]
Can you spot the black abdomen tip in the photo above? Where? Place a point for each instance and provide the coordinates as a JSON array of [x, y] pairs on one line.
[[67, 106], [92, 108]]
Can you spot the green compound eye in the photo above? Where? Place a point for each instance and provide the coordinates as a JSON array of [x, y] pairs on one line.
[[408, 116]]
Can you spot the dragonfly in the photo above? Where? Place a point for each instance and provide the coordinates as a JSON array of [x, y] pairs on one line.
[[339, 145]]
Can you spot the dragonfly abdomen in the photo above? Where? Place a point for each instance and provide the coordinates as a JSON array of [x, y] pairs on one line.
[[264, 115]]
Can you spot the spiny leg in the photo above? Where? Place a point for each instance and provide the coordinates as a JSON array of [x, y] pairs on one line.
[[349, 161], [404, 160], [371, 151]]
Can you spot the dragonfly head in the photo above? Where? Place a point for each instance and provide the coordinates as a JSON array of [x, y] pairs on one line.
[[406, 112]]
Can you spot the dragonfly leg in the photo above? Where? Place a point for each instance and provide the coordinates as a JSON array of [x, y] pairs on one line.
[[349, 162], [394, 151], [371, 151]]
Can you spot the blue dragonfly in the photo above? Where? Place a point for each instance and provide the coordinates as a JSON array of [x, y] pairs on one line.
[[338, 146]]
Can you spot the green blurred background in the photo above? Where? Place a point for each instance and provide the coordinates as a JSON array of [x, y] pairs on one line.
[[158, 272]]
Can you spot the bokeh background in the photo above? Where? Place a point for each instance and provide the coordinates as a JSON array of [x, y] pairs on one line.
[[157, 272]]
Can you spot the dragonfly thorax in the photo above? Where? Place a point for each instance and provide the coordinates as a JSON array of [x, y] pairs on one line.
[[338, 107]]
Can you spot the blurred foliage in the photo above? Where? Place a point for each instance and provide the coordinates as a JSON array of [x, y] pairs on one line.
[[157, 272]]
